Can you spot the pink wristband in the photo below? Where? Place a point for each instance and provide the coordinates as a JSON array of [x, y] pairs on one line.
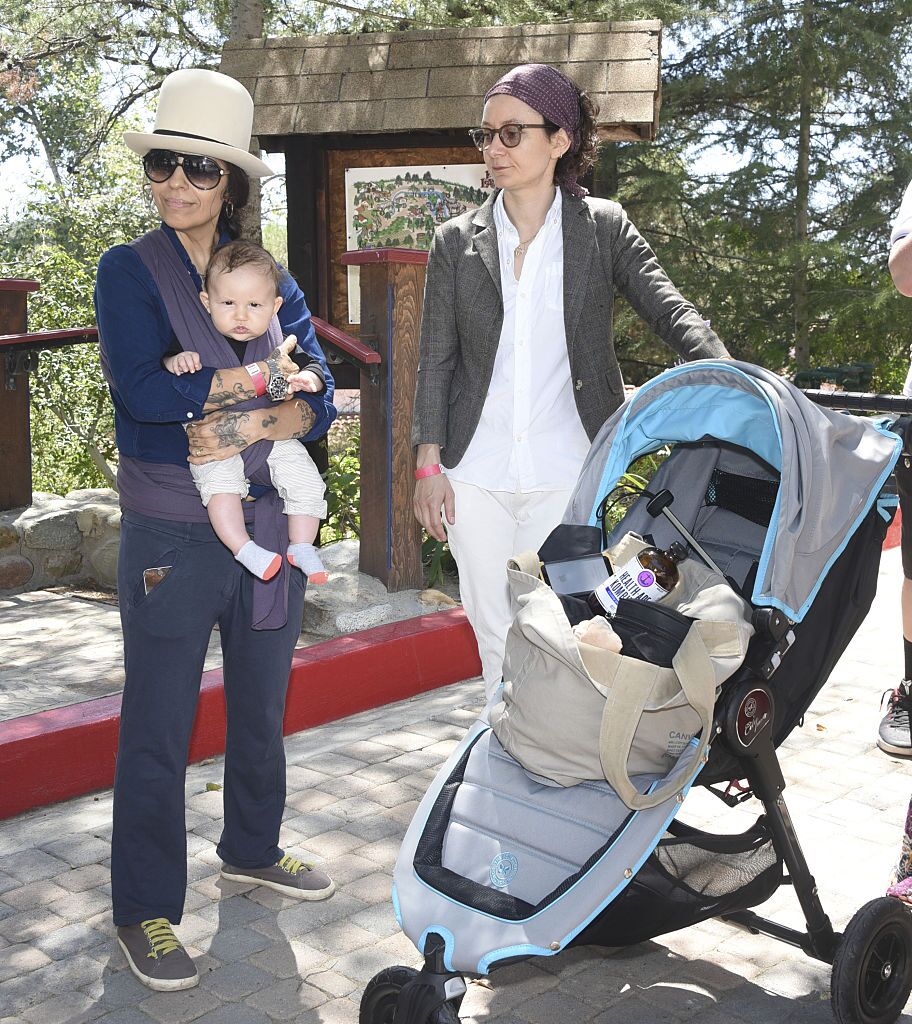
[[420, 474], [259, 381]]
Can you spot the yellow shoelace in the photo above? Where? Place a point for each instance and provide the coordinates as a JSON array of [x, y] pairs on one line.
[[161, 938], [292, 865]]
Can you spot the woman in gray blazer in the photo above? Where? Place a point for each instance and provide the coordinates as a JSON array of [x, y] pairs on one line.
[[517, 368]]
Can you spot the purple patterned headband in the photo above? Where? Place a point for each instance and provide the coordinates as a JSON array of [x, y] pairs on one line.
[[554, 96]]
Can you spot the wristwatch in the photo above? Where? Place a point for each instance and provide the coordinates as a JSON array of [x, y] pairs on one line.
[[277, 388]]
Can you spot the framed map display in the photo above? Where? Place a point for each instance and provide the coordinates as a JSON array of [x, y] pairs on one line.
[[401, 206]]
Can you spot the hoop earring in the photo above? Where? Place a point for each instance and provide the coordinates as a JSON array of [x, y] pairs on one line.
[[229, 209]]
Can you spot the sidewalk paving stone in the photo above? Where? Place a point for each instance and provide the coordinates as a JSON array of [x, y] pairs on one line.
[[353, 788]]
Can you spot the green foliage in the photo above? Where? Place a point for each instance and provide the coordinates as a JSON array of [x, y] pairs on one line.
[[437, 560], [720, 196], [275, 239], [58, 242], [630, 486], [343, 482]]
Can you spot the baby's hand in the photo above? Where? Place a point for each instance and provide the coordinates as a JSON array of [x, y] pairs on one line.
[[306, 380], [183, 362]]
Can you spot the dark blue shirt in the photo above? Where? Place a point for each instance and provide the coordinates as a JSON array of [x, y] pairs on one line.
[[150, 404]]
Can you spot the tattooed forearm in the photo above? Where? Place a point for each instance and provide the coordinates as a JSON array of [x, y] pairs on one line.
[[223, 393], [268, 421], [307, 420], [229, 428]]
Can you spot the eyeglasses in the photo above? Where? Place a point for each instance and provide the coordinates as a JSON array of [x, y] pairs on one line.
[[509, 134], [201, 171]]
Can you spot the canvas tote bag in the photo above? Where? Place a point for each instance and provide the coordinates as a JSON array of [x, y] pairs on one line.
[[573, 712]]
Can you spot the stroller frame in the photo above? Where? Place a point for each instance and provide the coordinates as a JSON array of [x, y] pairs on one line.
[[866, 977], [871, 959]]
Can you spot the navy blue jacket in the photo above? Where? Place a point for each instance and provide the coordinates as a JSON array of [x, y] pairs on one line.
[[150, 404]]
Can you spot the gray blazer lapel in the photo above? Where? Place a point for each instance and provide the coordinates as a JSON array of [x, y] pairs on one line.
[[484, 240], [579, 253]]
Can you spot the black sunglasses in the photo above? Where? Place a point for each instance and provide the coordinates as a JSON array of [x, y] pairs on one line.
[[201, 171], [509, 134]]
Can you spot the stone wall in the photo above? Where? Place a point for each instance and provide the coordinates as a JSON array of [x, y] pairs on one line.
[[59, 541]]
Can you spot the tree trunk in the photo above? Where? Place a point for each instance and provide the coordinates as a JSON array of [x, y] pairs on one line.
[[800, 302], [246, 22]]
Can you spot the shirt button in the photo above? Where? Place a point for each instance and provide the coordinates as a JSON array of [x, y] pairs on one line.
[[519, 439], [579, 384], [189, 415]]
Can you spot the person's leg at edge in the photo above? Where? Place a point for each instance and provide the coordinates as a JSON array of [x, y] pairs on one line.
[[491, 527], [895, 726], [900, 884], [257, 666], [895, 733], [166, 630]]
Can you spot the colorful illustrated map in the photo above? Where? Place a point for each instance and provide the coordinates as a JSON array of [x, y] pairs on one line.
[[404, 210], [401, 206]]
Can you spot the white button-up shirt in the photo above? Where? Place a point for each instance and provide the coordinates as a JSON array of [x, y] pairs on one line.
[[530, 436]]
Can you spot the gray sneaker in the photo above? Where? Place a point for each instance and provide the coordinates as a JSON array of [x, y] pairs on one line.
[[894, 735], [156, 956], [291, 877]]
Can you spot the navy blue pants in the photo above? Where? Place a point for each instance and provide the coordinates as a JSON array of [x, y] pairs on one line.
[[166, 633]]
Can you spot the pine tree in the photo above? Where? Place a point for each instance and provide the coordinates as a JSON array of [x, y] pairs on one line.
[[781, 159]]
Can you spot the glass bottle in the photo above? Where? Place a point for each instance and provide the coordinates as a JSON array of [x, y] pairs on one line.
[[647, 577]]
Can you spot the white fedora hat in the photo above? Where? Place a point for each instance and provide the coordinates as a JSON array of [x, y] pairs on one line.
[[203, 113]]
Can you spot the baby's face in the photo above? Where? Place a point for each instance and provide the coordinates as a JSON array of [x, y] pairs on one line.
[[241, 303]]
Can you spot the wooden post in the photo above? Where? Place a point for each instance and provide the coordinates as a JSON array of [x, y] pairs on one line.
[[392, 289], [15, 427]]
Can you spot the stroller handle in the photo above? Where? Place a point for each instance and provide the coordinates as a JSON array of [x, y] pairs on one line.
[[859, 401]]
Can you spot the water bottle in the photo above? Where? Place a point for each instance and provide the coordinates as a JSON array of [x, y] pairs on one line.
[[647, 577]]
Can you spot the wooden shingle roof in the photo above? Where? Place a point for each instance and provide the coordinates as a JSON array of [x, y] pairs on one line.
[[435, 79]]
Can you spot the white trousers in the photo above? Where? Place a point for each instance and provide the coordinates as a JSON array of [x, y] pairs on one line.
[[491, 527], [291, 469]]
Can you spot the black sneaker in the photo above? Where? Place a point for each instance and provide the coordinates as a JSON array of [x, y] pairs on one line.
[[156, 956], [895, 735]]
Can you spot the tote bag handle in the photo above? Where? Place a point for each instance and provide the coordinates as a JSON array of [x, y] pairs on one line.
[[625, 705]]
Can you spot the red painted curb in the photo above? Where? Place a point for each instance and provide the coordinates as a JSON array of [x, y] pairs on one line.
[[65, 752], [894, 531]]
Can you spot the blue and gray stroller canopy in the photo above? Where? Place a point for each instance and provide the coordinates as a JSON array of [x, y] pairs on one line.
[[832, 466]]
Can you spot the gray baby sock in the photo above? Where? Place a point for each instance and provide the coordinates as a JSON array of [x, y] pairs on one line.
[[259, 561], [306, 558]]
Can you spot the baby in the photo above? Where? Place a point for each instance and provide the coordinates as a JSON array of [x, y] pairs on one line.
[[241, 293]]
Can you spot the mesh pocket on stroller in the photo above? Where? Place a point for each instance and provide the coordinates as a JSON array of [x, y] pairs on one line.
[[690, 877]]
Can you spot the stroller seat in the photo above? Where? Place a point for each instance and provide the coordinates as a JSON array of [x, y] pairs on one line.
[[533, 867]]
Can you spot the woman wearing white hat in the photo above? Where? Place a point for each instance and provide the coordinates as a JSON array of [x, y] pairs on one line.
[[176, 580]]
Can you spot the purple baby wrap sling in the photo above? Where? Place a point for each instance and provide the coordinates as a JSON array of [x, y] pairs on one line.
[[167, 491]]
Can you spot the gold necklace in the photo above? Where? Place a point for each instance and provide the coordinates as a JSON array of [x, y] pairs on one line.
[[520, 251]]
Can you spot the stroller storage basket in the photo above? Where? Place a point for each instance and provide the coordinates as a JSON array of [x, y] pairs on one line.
[[691, 876]]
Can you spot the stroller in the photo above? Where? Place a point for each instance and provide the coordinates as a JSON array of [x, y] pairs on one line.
[[787, 500]]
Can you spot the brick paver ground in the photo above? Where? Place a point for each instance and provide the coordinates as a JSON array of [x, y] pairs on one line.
[[353, 787]]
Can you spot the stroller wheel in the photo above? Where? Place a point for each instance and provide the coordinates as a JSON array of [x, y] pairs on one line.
[[872, 972], [378, 1004]]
